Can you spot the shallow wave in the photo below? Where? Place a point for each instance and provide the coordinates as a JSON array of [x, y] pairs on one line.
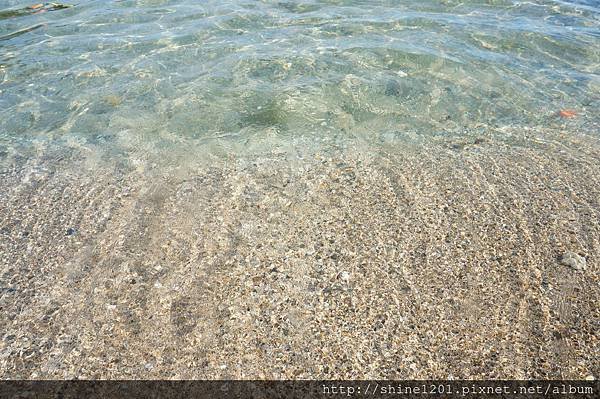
[[299, 68]]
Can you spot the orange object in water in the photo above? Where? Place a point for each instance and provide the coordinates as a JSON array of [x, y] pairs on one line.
[[567, 113], [35, 6]]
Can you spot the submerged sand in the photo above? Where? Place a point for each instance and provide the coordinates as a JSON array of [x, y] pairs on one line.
[[436, 261]]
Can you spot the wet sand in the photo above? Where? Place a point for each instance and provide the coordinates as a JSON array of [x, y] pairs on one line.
[[434, 262]]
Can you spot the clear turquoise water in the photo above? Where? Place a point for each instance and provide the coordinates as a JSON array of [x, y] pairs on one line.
[[222, 77]]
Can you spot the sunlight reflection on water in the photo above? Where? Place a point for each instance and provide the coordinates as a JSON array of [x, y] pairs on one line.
[[236, 75]]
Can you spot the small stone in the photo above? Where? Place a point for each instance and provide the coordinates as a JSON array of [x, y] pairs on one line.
[[573, 260], [70, 231], [345, 276], [567, 113]]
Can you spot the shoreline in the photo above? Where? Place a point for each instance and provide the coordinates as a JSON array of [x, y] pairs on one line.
[[434, 263]]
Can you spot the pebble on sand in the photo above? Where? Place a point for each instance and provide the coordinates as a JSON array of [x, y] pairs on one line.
[[574, 260], [567, 113]]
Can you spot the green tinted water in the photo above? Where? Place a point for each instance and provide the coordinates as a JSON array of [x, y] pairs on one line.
[[140, 78]]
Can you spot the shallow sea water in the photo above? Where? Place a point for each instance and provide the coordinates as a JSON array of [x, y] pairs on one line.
[[299, 189], [135, 80]]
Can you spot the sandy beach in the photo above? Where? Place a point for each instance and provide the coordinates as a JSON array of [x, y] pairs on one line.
[[437, 261]]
